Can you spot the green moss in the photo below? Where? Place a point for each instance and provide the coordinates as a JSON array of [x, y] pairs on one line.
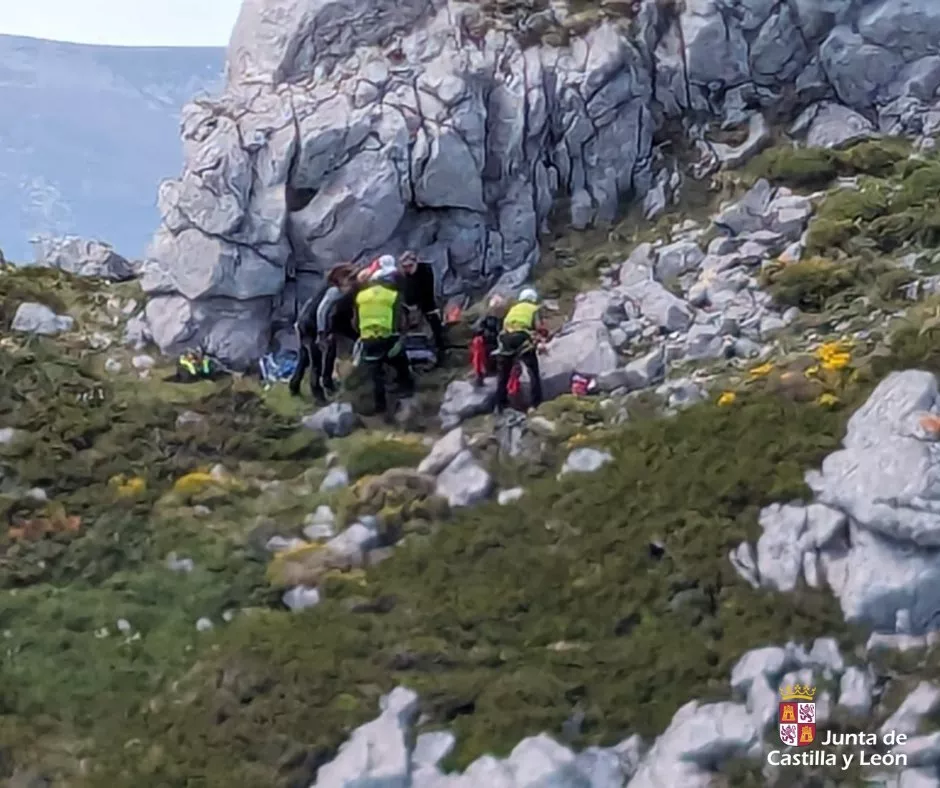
[[884, 214], [816, 168], [797, 168], [810, 284], [373, 454]]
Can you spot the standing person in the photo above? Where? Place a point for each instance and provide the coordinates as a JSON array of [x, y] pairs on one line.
[[418, 291], [379, 321], [522, 330], [485, 341], [316, 327]]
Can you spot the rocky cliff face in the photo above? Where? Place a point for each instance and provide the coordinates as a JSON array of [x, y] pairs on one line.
[[346, 129]]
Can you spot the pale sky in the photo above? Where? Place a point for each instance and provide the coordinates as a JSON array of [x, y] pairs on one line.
[[122, 22]]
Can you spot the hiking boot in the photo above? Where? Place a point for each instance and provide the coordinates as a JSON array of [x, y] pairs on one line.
[[294, 390], [319, 396], [329, 387]]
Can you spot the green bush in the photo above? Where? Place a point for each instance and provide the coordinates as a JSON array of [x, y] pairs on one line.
[[816, 168], [374, 456], [809, 284], [797, 168]]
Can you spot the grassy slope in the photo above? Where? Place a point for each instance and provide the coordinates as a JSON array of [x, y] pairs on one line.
[[505, 618]]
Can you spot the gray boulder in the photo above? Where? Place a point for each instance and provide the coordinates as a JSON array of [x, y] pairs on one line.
[[584, 348], [32, 318], [377, 753], [677, 259], [443, 452], [855, 691], [697, 740], [657, 304], [463, 482], [884, 477], [84, 258], [585, 460], [765, 208], [462, 400], [336, 420], [829, 125], [301, 598]]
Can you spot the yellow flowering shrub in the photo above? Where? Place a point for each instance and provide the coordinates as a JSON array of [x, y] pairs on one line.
[[762, 371], [827, 400], [727, 398]]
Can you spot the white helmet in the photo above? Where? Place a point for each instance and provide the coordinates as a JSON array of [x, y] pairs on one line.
[[381, 275], [529, 294], [386, 269]]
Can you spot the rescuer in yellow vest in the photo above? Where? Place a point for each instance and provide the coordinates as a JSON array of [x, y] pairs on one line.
[[518, 341], [379, 320]]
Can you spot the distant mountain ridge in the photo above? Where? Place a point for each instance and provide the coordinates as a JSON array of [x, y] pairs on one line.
[[86, 135]]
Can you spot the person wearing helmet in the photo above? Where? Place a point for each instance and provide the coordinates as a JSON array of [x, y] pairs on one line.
[[379, 321], [485, 340], [322, 317], [518, 341], [418, 292]]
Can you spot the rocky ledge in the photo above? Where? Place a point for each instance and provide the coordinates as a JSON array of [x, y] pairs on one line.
[[345, 129]]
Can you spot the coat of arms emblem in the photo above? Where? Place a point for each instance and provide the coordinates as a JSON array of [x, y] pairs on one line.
[[797, 715]]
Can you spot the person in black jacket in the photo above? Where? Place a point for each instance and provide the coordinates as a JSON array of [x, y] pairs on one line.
[[418, 291], [326, 314]]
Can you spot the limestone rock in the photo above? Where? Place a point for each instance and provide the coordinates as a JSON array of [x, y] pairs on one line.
[[443, 452], [698, 738], [462, 400], [463, 482], [832, 125], [585, 460], [923, 700], [855, 691], [336, 420], [301, 598], [32, 318], [580, 347], [84, 258], [378, 752]]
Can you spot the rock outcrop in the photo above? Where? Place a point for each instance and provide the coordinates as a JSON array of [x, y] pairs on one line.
[[872, 532], [347, 129]]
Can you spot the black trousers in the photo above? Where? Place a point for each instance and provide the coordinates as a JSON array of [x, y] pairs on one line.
[[320, 361], [437, 329], [517, 346], [376, 353]]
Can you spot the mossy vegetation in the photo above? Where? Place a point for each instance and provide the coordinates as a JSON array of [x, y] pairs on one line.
[[595, 619], [817, 284], [895, 204], [815, 168]]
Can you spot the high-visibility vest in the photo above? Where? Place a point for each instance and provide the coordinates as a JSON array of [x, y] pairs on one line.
[[376, 308], [521, 317]]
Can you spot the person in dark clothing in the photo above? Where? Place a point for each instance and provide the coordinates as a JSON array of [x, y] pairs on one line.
[[328, 313], [522, 330], [418, 292], [486, 331], [379, 321]]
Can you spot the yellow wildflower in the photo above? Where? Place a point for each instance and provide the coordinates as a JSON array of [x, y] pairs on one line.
[[762, 371], [195, 482], [827, 400], [834, 355], [727, 398], [812, 371], [128, 488]]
